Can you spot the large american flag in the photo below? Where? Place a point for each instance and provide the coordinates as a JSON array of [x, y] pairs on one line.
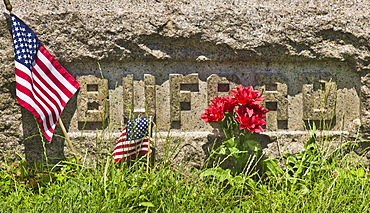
[[133, 140], [43, 86]]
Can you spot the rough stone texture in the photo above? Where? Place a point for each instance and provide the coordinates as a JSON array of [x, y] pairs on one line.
[[185, 30], [170, 40]]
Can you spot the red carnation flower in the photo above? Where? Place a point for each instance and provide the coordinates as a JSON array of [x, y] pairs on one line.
[[251, 118], [246, 96], [216, 111], [213, 113], [226, 103]]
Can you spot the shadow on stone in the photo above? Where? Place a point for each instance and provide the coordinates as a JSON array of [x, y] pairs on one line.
[[37, 148], [224, 161]]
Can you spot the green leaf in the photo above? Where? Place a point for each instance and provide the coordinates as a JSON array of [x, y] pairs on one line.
[[272, 168], [358, 173], [146, 204], [253, 145], [230, 142], [312, 139], [234, 150], [287, 155], [311, 147], [303, 189], [222, 151], [218, 173]]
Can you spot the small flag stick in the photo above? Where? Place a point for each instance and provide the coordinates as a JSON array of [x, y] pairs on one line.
[[8, 5], [149, 135]]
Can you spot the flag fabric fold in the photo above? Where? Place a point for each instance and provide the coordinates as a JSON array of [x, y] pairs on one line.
[[43, 86], [134, 139]]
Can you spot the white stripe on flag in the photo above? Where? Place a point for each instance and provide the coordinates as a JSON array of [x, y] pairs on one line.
[[48, 110], [129, 142], [60, 77], [43, 87], [22, 68], [52, 105], [130, 154], [50, 82], [51, 94], [30, 101], [124, 149]]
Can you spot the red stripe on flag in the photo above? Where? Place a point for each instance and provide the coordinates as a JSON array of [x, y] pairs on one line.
[[37, 116], [122, 147], [44, 104], [119, 152], [47, 85], [42, 122], [43, 86], [46, 69], [46, 121], [60, 69], [50, 120], [23, 75], [49, 98]]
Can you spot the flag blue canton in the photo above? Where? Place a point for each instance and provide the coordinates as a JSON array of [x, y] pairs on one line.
[[137, 128], [26, 43], [135, 139]]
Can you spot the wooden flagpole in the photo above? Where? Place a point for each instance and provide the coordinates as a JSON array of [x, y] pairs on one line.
[[8, 6], [69, 142]]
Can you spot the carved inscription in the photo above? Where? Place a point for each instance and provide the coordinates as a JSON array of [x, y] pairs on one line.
[[150, 94], [92, 104], [295, 101], [274, 87], [219, 85], [319, 98], [181, 88], [132, 100], [128, 95]]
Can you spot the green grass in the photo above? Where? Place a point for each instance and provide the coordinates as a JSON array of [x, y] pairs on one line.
[[120, 188], [314, 180]]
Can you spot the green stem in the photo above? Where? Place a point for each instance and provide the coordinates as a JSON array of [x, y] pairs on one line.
[[228, 126]]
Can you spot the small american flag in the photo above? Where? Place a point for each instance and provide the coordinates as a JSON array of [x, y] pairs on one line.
[[134, 139], [43, 86]]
